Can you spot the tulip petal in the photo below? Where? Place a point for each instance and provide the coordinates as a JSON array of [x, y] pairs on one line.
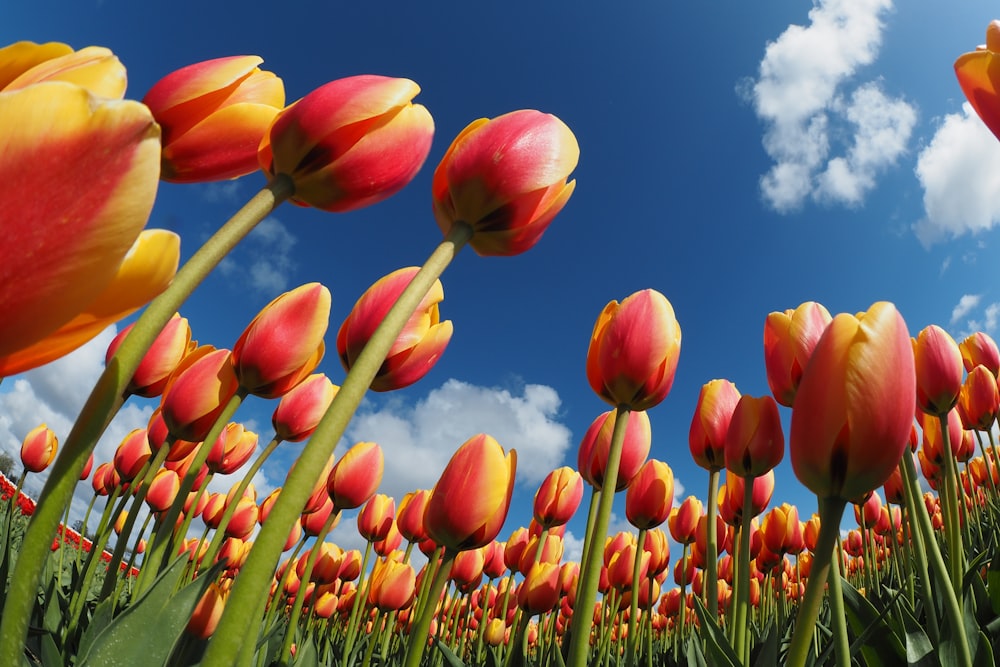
[[94, 168], [94, 68], [18, 58]]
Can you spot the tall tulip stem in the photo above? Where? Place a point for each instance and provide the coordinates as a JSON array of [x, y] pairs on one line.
[[422, 623], [590, 573], [249, 593], [950, 497], [712, 547], [104, 401], [742, 603], [842, 645]]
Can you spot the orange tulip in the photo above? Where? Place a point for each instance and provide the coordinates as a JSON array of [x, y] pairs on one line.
[[301, 407], [214, 115], [94, 68], [853, 413], [634, 350], [938, 364], [979, 349], [469, 503], [763, 489], [710, 424], [506, 178], [978, 78], [419, 345], [558, 497], [410, 515], [234, 447], [162, 358], [979, 399], [755, 443], [132, 454], [592, 458], [393, 586], [683, 520], [350, 143], [388, 544], [659, 551], [194, 400], [781, 530], [163, 490], [540, 590], [789, 340], [376, 518], [208, 611], [38, 449], [284, 342], [355, 477], [650, 495]]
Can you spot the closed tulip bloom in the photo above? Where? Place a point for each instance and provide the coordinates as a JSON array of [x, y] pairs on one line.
[[853, 413], [214, 115], [781, 530], [208, 611], [244, 518], [634, 350], [163, 490], [93, 68], [162, 358], [467, 568], [301, 408], [195, 399], [393, 586], [938, 364], [710, 423], [419, 345], [390, 543], [96, 160], [683, 520], [979, 399], [540, 590], [376, 518], [755, 443], [410, 515], [131, 454], [284, 343], [933, 444], [506, 178], [105, 479], [789, 340], [356, 476], [350, 143], [469, 503], [867, 513], [763, 489], [558, 497], [979, 349], [650, 495], [233, 448], [657, 547], [592, 458], [979, 80], [38, 449]]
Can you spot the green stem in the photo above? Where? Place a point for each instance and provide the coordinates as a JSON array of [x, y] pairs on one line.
[[830, 512], [842, 646], [590, 574], [359, 596], [950, 499], [711, 547], [105, 400], [249, 593], [422, 624], [914, 506], [633, 609], [740, 622]]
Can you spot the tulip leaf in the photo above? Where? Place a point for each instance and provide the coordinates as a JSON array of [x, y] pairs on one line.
[[146, 632], [103, 614], [984, 653], [716, 644], [767, 649], [306, 654], [493, 660], [695, 657], [993, 585], [878, 642], [919, 649], [449, 655]]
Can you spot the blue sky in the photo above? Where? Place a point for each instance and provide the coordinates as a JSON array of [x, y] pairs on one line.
[[738, 157]]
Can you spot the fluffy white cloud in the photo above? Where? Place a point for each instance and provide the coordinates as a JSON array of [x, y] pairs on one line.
[[959, 171], [798, 95], [419, 440], [964, 306]]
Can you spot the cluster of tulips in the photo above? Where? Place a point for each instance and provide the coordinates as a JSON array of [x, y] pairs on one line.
[[918, 579]]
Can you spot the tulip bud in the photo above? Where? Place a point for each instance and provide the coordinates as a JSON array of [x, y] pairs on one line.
[[193, 401], [208, 611], [755, 443], [393, 586], [284, 343], [979, 399], [163, 490], [976, 72], [469, 503], [540, 590], [376, 518], [634, 350], [233, 448], [38, 449], [789, 340], [162, 358], [350, 143], [683, 520], [301, 408], [650, 495], [356, 476], [419, 345], [132, 454], [938, 364], [410, 515], [506, 178], [592, 458], [558, 497]]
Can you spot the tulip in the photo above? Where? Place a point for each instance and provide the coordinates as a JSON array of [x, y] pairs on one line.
[[978, 78], [540, 590], [506, 179], [208, 611], [755, 443], [94, 68], [160, 361], [853, 413], [390, 542], [38, 449], [781, 530], [214, 115], [356, 476], [938, 364], [410, 515], [979, 399], [418, 346], [469, 503], [650, 495], [592, 459], [376, 518], [163, 490], [634, 350], [350, 143], [683, 520], [393, 586], [96, 160], [658, 549], [789, 340], [132, 454], [558, 497], [234, 447], [710, 424], [284, 343], [467, 570], [301, 407], [195, 399], [763, 489]]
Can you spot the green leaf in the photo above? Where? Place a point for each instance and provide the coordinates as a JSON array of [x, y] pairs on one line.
[[919, 650], [51, 655], [306, 654], [878, 642], [694, 655], [984, 653], [716, 644], [145, 633], [993, 585], [493, 660], [767, 649], [101, 619], [448, 654]]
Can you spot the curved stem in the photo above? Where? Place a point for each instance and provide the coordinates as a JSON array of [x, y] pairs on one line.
[[249, 592], [590, 574], [105, 400]]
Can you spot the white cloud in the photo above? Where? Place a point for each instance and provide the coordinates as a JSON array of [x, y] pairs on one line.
[[959, 171], [965, 306], [798, 95], [264, 260], [418, 441]]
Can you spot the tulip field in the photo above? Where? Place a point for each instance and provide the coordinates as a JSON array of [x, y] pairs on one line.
[[896, 431]]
